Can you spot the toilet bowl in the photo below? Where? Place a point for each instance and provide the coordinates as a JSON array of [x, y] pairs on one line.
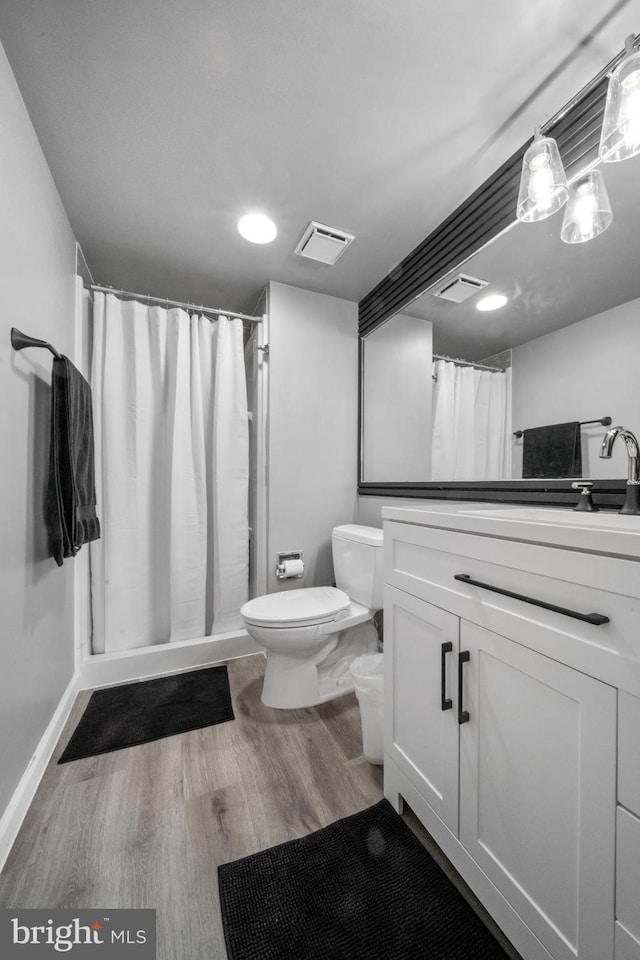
[[312, 635]]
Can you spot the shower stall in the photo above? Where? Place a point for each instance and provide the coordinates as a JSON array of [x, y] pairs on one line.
[[180, 414]]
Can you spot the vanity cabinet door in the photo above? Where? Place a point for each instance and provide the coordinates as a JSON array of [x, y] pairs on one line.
[[537, 789], [421, 728]]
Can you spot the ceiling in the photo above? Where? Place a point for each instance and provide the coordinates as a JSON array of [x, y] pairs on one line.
[[163, 122]]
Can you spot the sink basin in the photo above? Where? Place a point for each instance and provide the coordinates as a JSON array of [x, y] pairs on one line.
[[619, 523]]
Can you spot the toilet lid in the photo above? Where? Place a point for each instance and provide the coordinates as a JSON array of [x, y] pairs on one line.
[[293, 608]]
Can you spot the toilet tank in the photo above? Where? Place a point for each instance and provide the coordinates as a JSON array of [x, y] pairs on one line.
[[357, 563]]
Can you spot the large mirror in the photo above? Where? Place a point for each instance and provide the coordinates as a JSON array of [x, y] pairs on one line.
[[564, 349]]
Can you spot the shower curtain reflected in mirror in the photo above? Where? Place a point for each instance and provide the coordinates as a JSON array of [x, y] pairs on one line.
[[471, 438], [172, 473]]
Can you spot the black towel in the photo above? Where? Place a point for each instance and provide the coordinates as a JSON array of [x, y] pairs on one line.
[[552, 451], [71, 512]]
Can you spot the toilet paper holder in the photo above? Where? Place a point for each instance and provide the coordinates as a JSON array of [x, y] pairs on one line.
[[281, 557]]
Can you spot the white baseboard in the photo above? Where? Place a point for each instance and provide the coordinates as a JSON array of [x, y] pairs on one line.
[[106, 669], [25, 791], [103, 670]]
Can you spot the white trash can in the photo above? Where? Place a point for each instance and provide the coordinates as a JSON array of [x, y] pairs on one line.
[[367, 673]]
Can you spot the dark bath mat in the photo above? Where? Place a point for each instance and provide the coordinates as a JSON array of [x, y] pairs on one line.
[[363, 888], [133, 713]]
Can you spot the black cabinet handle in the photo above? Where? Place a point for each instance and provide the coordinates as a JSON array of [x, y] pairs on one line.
[[445, 702], [463, 657], [595, 618]]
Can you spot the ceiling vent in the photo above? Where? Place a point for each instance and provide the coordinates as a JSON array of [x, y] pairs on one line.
[[460, 288], [322, 243]]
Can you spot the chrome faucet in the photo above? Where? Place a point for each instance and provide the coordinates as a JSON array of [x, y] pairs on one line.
[[632, 499]]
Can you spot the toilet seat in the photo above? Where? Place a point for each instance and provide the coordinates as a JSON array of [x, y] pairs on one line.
[[297, 608]]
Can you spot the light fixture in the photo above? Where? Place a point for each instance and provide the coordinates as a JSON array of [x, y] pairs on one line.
[[588, 212], [493, 301], [620, 137], [257, 228], [543, 183]]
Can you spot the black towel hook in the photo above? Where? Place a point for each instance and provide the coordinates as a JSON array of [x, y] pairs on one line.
[[20, 340]]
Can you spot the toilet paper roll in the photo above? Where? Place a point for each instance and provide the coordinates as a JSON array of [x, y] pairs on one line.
[[291, 568]]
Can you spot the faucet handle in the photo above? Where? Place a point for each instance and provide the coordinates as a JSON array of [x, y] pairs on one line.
[[585, 502]]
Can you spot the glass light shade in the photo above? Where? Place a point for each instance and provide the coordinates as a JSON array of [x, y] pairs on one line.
[[620, 137], [543, 183], [588, 212]]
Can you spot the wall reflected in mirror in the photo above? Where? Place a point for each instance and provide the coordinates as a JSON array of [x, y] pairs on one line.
[[565, 348]]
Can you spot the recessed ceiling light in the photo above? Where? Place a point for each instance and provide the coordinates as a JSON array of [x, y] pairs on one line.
[[492, 302], [257, 228]]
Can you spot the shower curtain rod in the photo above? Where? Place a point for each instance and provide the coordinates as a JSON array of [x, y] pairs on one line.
[[174, 303], [468, 363]]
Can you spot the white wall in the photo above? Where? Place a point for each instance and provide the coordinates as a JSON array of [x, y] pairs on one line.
[[585, 371], [397, 389], [37, 265], [370, 508], [313, 414]]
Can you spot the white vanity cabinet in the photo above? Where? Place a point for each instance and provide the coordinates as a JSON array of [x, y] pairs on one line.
[[501, 726], [421, 641], [627, 929]]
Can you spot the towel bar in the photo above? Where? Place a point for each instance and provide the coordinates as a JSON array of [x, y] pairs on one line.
[[20, 340], [605, 421]]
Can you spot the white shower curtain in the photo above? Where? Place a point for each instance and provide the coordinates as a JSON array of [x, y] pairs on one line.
[[471, 423], [172, 469]]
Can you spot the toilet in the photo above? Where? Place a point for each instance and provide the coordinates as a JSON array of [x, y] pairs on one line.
[[312, 635]]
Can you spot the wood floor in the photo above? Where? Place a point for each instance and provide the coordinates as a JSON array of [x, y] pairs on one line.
[[148, 826]]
